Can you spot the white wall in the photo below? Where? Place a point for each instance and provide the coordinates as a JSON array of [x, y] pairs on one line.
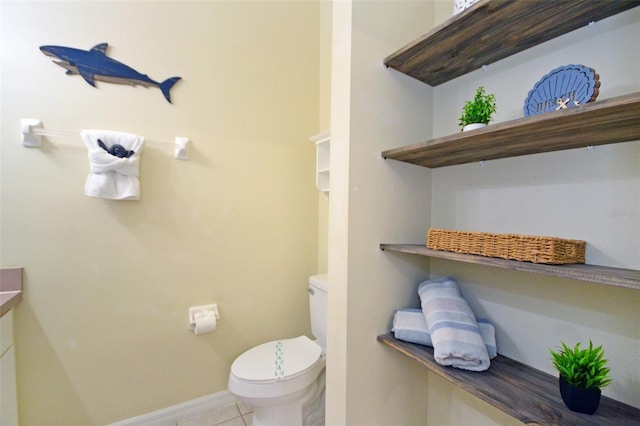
[[572, 194], [101, 334], [374, 201]]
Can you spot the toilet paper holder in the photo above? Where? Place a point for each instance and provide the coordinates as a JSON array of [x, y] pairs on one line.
[[196, 312]]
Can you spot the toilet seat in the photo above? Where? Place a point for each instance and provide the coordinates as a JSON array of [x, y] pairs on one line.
[[277, 361]]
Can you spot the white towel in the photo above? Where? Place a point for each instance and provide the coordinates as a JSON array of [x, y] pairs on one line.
[[411, 326], [452, 325], [111, 176]]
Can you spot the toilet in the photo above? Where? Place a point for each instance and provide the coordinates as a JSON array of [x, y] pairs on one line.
[[284, 380]]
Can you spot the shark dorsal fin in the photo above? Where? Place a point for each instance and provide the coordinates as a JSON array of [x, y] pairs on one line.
[[102, 48]]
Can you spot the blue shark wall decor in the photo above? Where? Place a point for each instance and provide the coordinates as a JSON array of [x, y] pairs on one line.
[[95, 65]]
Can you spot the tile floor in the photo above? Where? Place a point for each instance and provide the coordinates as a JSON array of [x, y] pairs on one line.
[[236, 414]]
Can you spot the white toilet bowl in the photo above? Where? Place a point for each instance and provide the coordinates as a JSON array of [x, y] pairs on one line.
[[279, 379]]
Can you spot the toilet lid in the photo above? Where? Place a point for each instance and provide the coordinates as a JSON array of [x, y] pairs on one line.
[[277, 360]]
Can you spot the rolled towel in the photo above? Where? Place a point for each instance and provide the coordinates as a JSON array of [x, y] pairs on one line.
[[455, 334], [114, 160], [410, 326], [488, 332]]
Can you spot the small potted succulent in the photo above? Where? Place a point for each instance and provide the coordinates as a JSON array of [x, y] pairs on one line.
[[477, 113], [583, 372]]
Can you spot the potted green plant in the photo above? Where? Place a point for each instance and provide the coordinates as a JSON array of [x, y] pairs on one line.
[[583, 372], [477, 113]]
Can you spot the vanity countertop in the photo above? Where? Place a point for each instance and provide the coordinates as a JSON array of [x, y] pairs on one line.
[[10, 288]]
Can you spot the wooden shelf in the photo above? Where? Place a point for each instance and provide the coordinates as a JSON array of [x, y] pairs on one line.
[[525, 393], [618, 277], [492, 30], [609, 121]]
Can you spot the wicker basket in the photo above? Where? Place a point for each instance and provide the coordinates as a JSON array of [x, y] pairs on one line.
[[549, 250]]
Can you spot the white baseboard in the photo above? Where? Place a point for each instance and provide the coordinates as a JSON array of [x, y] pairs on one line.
[[170, 415]]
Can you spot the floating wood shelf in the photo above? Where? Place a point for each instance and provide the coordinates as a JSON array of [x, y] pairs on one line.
[[525, 393], [619, 277], [609, 121], [492, 30]]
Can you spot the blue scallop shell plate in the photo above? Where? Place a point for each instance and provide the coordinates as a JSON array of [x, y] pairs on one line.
[[564, 87]]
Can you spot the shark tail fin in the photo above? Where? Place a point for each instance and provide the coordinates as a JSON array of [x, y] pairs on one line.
[[166, 86]]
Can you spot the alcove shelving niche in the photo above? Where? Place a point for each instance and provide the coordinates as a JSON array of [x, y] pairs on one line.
[[487, 32]]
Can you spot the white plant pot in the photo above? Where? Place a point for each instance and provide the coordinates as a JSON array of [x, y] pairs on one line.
[[473, 126]]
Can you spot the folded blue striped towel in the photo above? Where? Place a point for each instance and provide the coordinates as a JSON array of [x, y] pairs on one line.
[[410, 326], [454, 331], [488, 332]]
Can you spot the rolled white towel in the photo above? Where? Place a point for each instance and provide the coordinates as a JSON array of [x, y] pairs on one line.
[[410, 326], [454, 331], [114, 160]]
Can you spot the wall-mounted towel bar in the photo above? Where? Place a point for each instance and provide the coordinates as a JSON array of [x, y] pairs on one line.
[[32, 133]]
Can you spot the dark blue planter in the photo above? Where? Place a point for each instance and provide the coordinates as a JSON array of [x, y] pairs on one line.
[[580, 400]]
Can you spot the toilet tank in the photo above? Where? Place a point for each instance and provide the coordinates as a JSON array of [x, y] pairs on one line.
[[318, 308]]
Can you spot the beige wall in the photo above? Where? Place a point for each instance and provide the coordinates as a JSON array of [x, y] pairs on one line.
[[326, 17], [102, 332]]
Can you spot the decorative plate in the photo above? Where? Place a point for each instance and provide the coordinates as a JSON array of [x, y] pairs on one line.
[[564, 87], [460, 5]]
